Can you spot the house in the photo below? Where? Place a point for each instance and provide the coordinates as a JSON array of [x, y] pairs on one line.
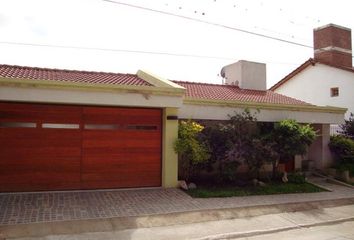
[[328, 78], [65, 129]]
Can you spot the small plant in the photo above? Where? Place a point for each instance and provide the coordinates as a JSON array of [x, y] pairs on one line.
[[191, 151], [296, 178]]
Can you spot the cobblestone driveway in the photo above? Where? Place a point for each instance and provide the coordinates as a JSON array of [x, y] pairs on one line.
[[17, 208]]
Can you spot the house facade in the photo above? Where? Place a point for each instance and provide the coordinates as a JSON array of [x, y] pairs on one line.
[[328, 78], [65, 129]]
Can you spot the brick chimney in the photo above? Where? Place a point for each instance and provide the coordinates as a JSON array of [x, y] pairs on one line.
[[333, 45]]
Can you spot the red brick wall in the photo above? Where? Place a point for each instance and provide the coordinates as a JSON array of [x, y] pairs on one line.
[[333, 36]]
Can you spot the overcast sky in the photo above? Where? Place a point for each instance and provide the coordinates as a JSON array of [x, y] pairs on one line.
[[100, 35]]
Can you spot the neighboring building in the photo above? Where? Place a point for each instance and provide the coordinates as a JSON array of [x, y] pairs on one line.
[[328, 78], [64, 129]]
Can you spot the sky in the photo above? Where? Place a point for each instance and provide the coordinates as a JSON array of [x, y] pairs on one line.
[[189, 40]]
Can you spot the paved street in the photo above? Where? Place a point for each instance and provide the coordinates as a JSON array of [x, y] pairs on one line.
[[340, 231], [326, 223]]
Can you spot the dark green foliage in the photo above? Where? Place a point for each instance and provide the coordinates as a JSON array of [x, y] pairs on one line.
[[218, 142], [346, 167], [296, 178], [290, 138], [261, 152], [241, 129], [232, 144], [348, 127], [227, 173], [272, 188], [342, 148]]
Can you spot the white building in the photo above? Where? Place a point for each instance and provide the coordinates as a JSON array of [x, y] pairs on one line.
[[328, 78]]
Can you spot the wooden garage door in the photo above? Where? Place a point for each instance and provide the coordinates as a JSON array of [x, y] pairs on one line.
[[51, 147]]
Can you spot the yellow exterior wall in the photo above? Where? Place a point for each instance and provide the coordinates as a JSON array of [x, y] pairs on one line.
[[169, 157]]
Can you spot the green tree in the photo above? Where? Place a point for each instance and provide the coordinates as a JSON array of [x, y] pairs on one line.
[[289, 139], [261, 152], [191, 151], [348, 127], [218, 142], [242, 130]]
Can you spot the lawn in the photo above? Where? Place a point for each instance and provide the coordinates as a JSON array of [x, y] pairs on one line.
[[271, 188]]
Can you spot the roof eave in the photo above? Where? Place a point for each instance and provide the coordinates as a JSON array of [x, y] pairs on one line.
[[66, 85], [270, 106]]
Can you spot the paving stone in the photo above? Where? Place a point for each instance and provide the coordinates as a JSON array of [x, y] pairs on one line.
[[19, 208]]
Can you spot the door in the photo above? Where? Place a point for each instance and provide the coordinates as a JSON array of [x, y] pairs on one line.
[[59, 147]]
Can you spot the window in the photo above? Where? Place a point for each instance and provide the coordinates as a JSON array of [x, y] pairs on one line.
[[334, 92], [142, 127], [101, 126], [60, 125]]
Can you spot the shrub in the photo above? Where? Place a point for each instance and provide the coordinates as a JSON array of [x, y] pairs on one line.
[[346, 167], [218, 142], [191, 151], [342, 148], [241, 129], [228, 173], [348, 127], [296, 177]]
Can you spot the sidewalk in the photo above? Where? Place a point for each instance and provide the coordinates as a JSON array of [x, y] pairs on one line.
[[226, 229], [124, 209]]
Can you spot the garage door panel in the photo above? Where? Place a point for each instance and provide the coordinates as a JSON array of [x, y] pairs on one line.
[[42, 186], [40, 163], [121, 183], [118, 141], [34, 112], [93, 163], [52, 147], [145, 178], [41, 152], [35, 143], [38, 176], [144, 152], [120, 135]]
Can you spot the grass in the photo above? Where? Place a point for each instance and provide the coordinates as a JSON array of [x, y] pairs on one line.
[[271, 188]]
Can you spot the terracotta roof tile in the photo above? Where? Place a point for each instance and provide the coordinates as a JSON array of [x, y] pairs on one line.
[[34, 73], [229, 92]]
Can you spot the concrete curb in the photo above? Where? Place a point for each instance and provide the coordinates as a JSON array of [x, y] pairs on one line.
[[320, 186], [161, 220], [333, 180], [274, 230]]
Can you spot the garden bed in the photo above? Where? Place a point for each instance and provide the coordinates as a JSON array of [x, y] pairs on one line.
[[209, 191]]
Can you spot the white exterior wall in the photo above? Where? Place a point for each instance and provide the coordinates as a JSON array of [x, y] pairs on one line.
[[313, 85], [42, 95], [191, 111]]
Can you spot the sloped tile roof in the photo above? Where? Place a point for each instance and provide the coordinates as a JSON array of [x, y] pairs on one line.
[[233, 93], [35, 73]]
